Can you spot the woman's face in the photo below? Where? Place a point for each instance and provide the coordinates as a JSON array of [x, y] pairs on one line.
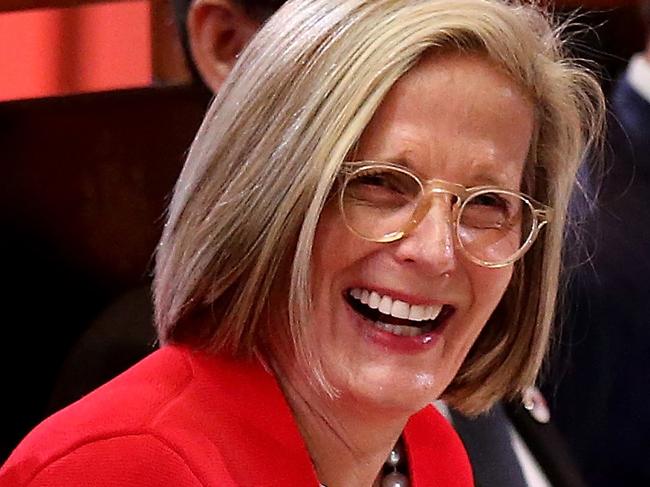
[[452, 117]]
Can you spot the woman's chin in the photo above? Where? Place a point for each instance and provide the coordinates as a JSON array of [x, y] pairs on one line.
[[399, 394]]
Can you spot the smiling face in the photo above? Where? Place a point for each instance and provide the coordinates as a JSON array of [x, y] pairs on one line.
[[455, 118]]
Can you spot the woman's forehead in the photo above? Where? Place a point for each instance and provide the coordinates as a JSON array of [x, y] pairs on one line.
[[455, 114]]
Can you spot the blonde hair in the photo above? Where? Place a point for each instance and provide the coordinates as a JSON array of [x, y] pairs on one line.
[[265, 159]]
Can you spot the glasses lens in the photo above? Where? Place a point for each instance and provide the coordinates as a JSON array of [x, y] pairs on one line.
[[493, 226], [378, 202]]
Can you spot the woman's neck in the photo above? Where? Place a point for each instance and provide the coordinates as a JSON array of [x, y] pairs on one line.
[[348, 443]]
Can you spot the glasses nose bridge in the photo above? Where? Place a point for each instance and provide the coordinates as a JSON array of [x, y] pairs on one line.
[[430, 191], [435, 188]]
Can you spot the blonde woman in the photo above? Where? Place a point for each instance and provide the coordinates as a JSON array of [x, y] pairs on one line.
[[370, 218]]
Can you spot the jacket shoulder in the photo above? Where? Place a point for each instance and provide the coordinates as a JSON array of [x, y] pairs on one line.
[[113, 429], [142, 459]]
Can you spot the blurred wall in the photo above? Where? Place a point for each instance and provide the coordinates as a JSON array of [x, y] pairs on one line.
[[60, 51]]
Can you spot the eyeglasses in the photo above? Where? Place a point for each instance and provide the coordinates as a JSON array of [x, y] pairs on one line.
[[384, 202]]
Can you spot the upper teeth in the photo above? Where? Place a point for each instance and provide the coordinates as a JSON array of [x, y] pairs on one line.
[[395, 307]]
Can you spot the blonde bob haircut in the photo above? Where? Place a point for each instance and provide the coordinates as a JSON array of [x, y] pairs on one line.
[[242, 219]]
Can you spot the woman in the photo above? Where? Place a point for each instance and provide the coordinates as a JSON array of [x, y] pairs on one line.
[[352, 237]]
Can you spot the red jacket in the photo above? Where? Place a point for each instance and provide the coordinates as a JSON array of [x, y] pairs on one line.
[[181, 418]]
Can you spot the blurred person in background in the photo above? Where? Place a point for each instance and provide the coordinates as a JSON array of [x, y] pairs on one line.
[[602, 401]]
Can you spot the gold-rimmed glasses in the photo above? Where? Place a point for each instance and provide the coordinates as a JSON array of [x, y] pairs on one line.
[[384, 202]]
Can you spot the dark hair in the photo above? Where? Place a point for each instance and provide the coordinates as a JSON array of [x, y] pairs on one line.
[[259, 10], [644, 6]]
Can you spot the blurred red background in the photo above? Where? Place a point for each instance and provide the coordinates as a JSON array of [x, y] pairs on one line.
[[89, 48], [94, 47]]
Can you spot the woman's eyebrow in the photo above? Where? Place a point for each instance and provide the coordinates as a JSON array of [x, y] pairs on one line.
[[481, 177], [488, 179], [402, 160]]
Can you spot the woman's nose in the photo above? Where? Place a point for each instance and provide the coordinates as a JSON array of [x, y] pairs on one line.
[[431, 243]]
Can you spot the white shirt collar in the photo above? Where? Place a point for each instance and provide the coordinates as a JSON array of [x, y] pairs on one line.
[[638, 75]]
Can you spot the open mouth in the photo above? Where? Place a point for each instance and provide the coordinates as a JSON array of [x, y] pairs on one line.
[[395, 316]]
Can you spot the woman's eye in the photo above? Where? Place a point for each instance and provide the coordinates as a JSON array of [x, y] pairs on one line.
[[379, 181], [491, 200], [373, 180]]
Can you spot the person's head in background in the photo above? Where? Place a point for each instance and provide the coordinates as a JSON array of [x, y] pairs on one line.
[[213, 32]]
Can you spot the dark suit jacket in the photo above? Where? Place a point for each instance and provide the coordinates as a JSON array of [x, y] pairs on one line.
[[488, 442], [602, 404]]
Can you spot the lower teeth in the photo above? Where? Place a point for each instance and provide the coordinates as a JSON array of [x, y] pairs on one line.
[[408, 331]]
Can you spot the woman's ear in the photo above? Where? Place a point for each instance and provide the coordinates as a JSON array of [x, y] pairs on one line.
[[217, 31]]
